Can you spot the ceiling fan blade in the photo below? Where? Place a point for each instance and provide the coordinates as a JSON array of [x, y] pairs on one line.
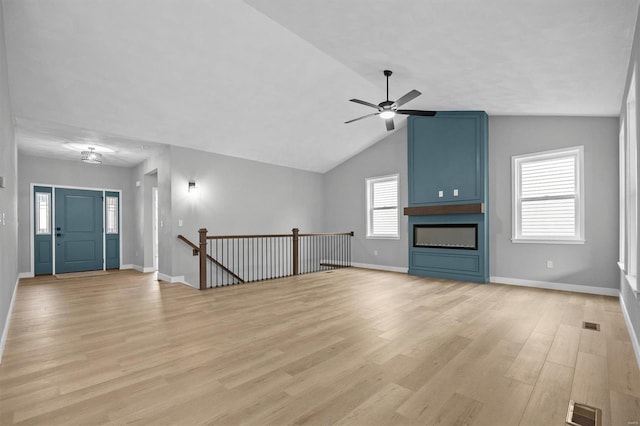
[[389, 123], [416, 112], [406, 98], [360, 118], [369, 104]]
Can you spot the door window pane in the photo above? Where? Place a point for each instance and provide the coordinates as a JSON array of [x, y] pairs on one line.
[[43, 213], [112, 215]]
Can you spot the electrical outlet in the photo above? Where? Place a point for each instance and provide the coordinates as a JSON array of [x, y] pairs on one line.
[[375, 252], [550, 264]]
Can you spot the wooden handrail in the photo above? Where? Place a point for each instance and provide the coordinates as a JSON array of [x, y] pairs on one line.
[[292, 244], [195, 248], [196, 251], [326, 233], [222, 237]]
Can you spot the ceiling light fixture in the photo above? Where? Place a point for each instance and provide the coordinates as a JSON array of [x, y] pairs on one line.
[[387, 114], [91, 156]]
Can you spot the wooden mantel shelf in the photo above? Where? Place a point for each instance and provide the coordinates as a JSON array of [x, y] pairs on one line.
[[445, 209]]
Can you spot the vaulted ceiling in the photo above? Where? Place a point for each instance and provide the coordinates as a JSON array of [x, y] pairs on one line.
[[270, 80]]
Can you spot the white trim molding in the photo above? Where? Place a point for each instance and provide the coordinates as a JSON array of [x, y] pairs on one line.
[[380, 267], [5, 332], [170, 279], [602, 291], [176, 280], [25, 275], [138, 268], [632, 334]]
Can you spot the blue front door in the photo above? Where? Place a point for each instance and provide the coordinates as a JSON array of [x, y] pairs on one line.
[[79, 230]]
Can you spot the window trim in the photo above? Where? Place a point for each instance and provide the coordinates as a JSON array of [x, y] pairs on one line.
[[516, 161], [369, 210]]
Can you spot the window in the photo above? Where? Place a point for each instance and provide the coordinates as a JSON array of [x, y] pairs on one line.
[[548, 204], [112, 215], [631, 187], [382, 207], [43, 213], [623, 194]]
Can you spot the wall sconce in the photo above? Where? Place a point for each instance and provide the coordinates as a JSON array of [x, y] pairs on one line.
[[192, 186]]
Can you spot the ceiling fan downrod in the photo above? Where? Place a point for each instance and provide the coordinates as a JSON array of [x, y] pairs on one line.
[[387, 73]]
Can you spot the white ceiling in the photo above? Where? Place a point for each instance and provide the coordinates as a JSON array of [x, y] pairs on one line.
[[67, 143], [269, 80]]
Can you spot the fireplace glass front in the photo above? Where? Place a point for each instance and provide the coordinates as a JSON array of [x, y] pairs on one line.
[[455, 236]]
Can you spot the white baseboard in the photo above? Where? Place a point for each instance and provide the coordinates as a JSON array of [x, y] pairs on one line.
[[380, 267], [138, 268], [632, 334], [5, 332], [603, 291], [169, 279], [25, 275]]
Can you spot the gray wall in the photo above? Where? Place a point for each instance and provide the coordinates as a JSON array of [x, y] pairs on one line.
[[590, 264], [75, 174], [630, 299], [237, 196], [345, 200], [155, 171], [8, 194]]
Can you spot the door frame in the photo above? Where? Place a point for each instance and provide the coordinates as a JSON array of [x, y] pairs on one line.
[[53, 187]]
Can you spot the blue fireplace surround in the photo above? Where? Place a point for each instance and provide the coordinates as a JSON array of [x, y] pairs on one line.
[[448, 184]]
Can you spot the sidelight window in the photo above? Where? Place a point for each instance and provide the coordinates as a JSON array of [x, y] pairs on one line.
[[43, 213], [112, 215]]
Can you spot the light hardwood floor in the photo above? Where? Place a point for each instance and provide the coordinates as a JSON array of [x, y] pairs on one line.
[[349, 346]]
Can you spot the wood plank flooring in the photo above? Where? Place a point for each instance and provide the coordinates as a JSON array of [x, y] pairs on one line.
[[348, 346]]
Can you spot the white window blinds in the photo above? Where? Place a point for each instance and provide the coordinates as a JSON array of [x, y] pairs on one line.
[[547, 202], [382, 207]]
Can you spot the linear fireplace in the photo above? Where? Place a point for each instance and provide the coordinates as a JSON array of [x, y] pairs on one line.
[[462, 236]]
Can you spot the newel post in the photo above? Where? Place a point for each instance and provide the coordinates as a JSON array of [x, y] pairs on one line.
[[295, 251], [203, 258]]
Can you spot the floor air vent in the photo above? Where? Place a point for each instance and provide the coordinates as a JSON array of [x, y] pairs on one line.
[[583, 415], [591, 326]]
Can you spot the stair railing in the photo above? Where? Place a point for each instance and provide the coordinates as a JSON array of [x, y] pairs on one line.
[[236, 259]]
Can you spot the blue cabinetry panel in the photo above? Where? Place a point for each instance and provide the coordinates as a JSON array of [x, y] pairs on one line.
[[446, 262], [446, 158], [448, 164]]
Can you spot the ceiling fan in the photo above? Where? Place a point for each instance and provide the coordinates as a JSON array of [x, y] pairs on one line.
[[388, 109]]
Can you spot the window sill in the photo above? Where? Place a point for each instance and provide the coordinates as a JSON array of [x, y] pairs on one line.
[[541, 241], [382, 237]]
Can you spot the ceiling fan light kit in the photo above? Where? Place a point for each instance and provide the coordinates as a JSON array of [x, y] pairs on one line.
[[388, 109]]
